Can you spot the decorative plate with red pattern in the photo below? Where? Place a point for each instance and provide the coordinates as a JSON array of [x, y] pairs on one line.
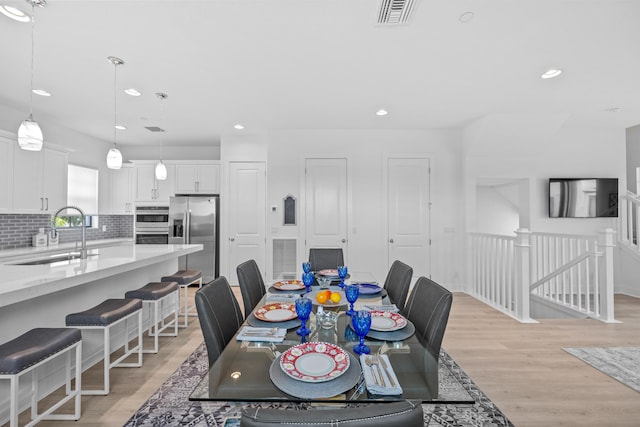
[[289, 285], [276, 312], [385, 321], [314, 362]]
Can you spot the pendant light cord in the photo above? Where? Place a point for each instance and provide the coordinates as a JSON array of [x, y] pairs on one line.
[[115, 117], [162, 97], [33, 30]]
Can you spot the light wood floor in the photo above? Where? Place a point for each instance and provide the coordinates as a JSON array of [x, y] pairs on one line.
[[521, 367]]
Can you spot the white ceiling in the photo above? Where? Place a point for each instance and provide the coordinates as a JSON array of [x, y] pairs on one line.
[[320, 64]]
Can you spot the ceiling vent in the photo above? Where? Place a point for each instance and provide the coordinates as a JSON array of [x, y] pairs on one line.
[[395, 11], [154, 128]]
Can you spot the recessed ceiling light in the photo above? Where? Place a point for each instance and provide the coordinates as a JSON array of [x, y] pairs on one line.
[[466, 17], [551, 73], [132, 92], [238, 126], [120, 127], [41, 92], [382, 112], [14, 13]]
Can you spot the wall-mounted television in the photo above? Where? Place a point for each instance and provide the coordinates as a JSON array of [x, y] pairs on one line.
[[583, 197]]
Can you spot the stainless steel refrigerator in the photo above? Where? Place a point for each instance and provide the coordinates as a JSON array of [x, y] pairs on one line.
[[194, 220]]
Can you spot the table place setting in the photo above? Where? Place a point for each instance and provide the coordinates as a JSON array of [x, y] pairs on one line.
[[379, 376], [392, 308], [389, 326], [275, 314], [250, 333]]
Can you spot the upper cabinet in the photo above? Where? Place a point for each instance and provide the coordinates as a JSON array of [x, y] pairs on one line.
[[6, 173], [198, 178], [39, 180], [122, 190], [151, 190]]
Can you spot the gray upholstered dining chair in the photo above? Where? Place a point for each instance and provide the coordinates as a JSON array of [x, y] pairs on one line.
[[219, 315], [251, 285], [325, 258], [397, 283], [404, 413], [428, 309]]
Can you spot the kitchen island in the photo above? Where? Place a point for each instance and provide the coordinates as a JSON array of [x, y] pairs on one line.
[[34, 294]]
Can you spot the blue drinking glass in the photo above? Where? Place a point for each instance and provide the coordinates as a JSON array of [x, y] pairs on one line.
[[303, 309], [361, 322], [352, 292], [306, 267], [342, 273], [307, 279]]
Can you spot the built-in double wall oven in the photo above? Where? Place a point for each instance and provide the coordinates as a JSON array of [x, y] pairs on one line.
[[152, 225]]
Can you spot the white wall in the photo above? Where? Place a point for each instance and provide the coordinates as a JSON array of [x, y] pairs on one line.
[[633, 157], [365, 150], [497, 214]]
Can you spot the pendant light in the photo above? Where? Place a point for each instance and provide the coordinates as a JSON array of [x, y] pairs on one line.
[[161, 169], [29, 134], [114, 156]]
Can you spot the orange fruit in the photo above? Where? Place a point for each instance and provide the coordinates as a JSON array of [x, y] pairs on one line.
[[321, 297], [335, 297]]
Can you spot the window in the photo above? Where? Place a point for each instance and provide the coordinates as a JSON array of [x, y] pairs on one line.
[[82, 192]]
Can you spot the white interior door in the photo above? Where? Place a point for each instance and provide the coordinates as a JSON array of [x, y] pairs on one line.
[[408, 213], [326, 204], [247, 219]]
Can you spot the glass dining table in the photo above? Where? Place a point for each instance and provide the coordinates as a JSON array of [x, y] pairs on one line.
[[251, 371]]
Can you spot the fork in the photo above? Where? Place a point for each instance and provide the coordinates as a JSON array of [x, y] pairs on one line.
[[263, 332], [384, 365], [371, 361]]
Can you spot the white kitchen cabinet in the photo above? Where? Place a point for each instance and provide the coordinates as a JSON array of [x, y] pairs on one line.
[[122, 190], [200, 178], [39, 180], [6, 173], [151, 190]]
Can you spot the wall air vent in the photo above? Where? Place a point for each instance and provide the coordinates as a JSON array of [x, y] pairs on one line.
[[154, 128], [395, 11]]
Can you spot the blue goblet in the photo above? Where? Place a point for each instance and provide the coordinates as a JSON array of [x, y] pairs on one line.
[[342, 273], [306, 267], [352, 292], [307, 279], [303, 309], [361, 322]]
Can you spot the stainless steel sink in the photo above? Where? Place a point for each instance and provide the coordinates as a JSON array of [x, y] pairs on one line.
[[60, 259]]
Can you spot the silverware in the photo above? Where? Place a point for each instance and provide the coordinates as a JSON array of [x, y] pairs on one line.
[[384, 365], [374, 362], [263, 332], [369, 362]]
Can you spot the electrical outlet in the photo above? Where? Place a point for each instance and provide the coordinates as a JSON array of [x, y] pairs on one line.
[[104, 228]]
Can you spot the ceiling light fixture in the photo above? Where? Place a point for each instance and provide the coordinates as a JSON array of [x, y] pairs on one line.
[[382, 112], [29, 133], [161, 169], [238, 126], [114, 156], [41, 92], [551, 73], [120, 127], [466, 17], [14, 13], [133, 92]]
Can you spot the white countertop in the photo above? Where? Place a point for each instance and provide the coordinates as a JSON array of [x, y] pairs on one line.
[[22, 282], [62, 247]]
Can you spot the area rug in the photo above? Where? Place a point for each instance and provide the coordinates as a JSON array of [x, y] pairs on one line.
[[169, 405], [621, 363]]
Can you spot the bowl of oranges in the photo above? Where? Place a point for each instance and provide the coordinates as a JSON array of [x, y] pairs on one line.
[[328, 298]]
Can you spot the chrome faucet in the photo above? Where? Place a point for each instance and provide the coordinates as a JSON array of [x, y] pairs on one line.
[[83, 251]]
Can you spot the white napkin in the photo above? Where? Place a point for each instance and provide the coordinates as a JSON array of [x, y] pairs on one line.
[[382, 307], [249, 333], [378, 388], [282, 297]]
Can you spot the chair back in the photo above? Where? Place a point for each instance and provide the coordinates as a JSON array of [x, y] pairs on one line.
[[219, 315], [428, 309], [325, 258], [251, 285], [397, 283], [404, 413]]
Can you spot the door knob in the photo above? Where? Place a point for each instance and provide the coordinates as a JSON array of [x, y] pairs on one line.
[[390, 240], [344, 240], [231, 239]]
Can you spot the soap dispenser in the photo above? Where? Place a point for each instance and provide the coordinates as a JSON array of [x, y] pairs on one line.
[[39, 239], [53, 237]]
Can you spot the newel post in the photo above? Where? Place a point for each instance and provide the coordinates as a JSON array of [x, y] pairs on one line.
[[606, 244], [522, 248]]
